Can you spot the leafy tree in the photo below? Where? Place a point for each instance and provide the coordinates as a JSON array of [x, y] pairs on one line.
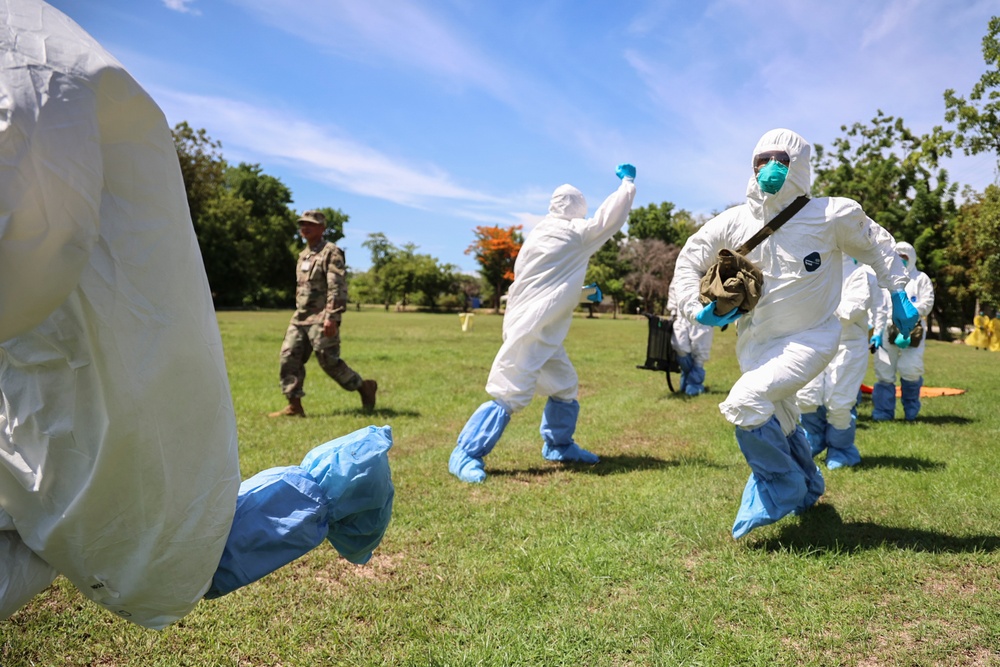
[[496, 249], [659, 221], [978, 119], [242, 221], [202, 166], [976, 247], [894, 175], [265, 238], [608, 269], [335, 221], [403, 275]]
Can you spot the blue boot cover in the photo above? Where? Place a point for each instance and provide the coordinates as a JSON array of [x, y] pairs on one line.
[[477, 439], [777, 483], [883, 402], [686, 362], [353, 472], [558, 425], [798, 446], [841, 450], [343, 493], [695, 380], [814, 424], [910, 397]]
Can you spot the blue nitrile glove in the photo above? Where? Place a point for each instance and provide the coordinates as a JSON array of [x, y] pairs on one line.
[[625, 170], [875, 342], [904, 313], [902, 342], [709, 317]]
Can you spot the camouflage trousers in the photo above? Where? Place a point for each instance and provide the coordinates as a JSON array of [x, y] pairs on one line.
[[300, 342]]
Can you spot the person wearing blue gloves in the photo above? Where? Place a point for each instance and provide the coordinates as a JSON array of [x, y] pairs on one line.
[[548, 272], [828, 401], [793, 332], [900, 354], [119, 465]]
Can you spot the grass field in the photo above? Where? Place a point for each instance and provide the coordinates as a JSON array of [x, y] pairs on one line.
[[629, 562]]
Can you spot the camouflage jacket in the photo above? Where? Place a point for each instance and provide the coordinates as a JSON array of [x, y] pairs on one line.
[[321, 290]]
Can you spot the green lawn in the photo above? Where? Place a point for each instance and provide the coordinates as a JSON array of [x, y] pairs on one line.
[[629, 562]]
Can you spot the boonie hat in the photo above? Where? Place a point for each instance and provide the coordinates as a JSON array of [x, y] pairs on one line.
[[315, 217]]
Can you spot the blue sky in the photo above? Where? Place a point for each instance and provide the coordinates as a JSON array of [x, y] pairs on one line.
[[422, 119]]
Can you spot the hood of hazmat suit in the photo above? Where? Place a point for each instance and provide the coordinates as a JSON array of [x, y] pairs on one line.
[[118, 458], [904, 248]]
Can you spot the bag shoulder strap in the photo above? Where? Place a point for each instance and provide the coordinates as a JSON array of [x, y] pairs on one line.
[[772, 226]]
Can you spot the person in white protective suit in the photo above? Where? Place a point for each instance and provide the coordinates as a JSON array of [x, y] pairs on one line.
[[692, 342], [793, 332], [548, 273], [897, 354], [828, 401], [118, 449]]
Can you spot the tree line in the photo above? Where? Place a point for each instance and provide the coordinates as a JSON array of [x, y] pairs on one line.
[[247, 230]]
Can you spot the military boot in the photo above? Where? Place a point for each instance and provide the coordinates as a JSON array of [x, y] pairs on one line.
[[367, 391], [293, 409]]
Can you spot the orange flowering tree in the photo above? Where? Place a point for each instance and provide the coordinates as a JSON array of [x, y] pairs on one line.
[[496, 248]]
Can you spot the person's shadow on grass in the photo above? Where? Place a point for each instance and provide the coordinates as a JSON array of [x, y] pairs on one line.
[[865, 421], [608, 465], [821, 530], [377, 412], [907, 463]]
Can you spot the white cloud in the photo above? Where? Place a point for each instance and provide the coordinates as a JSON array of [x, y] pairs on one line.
[[183, 6], [401, 32]]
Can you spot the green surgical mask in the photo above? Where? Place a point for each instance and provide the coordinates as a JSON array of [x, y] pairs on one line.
[[906, 262], [771, 176]]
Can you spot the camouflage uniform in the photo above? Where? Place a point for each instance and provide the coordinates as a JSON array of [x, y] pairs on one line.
[[321, 294]]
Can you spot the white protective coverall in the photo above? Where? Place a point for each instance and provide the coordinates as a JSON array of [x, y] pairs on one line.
[[793, 332], [118, 449], [907, 362], [692, 341], [827, 401], [549, 270], [112, 472]]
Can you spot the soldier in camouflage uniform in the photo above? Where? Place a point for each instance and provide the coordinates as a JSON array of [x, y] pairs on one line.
[[320, 300]]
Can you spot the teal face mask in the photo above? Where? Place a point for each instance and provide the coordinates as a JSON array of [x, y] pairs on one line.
[[906, 262], [771, 176]]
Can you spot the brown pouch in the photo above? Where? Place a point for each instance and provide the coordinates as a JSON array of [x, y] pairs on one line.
[[732, 282], [916, 335]]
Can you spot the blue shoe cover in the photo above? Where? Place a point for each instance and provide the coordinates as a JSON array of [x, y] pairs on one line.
[[342, 492], [569, 453], [353, 471], [465, 467], [483, 430], [910, 397], [478, 438], [883, 401], [814, 425], [558, 425], [695, 380], [758, 508], [798, 447], [686, 363], [784, 477], [842, 451]]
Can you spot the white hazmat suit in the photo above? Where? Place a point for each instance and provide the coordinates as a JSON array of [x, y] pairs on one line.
[[793, 332], [548, 273], [892, 359], [827, 401], [692, 342], [118, 449]]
